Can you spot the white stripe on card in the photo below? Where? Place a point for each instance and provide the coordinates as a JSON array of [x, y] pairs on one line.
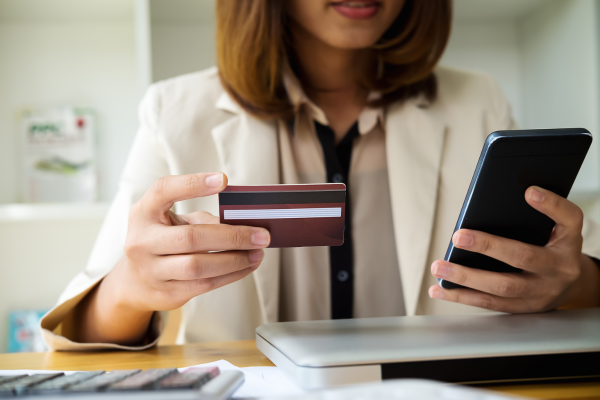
[[284, 213]]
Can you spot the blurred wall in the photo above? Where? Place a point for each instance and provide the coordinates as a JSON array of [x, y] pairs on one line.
[[40, 252], [55, 52], [183, 37], [545, 57], [75, 58], [560, 59], [490, 47]]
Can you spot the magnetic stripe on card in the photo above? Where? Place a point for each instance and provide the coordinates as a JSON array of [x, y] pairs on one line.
[[331, 212]]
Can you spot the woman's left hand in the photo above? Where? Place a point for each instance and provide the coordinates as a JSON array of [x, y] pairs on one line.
[[552, 275]]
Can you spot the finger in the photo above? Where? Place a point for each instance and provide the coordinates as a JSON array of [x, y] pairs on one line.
[[517, 254], [499, 284], [195, 218], [474, 298], [195, 287], [200, 266], [200, 218], [561, 210], [187, 239], [161, 196]]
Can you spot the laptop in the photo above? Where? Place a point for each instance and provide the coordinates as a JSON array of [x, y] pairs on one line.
[[469, 349]]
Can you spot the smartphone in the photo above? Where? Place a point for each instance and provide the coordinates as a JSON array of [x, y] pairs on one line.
[[510, 162]]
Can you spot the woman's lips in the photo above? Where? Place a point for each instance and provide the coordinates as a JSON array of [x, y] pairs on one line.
[[357, 9]]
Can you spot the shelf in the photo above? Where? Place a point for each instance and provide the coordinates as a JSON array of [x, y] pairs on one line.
[[52, 212]]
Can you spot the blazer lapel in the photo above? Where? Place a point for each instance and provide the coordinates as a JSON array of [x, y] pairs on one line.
[[414, 144], [248, 150]]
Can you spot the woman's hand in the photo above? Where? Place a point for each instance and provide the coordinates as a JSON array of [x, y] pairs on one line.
[[169, 259], [168, 256], [556, 275]]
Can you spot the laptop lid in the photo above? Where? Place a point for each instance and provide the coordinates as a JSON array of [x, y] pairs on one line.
[[456, 348]]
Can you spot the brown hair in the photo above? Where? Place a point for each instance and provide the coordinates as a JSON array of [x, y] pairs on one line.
[[253, 48]]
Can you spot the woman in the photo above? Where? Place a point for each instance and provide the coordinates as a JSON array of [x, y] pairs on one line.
[[313, 91]]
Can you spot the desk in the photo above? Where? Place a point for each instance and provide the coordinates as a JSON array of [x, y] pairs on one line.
[[241, 354]]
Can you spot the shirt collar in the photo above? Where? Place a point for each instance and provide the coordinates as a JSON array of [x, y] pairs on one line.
[[367, 120]]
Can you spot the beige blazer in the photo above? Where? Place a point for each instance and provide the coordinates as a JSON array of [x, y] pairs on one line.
[[190, 124]]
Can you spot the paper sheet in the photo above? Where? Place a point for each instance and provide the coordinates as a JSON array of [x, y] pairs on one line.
[[260, 381]]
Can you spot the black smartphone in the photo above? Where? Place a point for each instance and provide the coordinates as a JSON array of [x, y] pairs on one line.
[[510, 162]]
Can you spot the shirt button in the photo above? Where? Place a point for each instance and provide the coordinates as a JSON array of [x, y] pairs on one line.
[[343, 276], [337, 178]]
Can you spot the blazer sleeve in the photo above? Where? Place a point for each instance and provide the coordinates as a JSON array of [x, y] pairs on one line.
[[146, 163], [500, 118]]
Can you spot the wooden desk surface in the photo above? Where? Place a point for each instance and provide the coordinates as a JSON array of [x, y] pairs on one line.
[[241, 354]]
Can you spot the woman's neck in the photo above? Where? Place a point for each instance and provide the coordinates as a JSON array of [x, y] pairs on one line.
[[329, 78]]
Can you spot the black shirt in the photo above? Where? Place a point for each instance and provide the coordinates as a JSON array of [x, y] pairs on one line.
[[337, 163]]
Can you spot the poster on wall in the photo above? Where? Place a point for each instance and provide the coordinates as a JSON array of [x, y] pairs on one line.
[[58, 155], [24, 334]]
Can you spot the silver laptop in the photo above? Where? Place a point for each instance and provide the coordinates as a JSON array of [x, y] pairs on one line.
[[473, 349]]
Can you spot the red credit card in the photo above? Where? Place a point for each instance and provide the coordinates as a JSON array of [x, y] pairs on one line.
[[295, 215]]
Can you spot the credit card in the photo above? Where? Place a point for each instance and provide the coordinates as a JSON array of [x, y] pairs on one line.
[[295, 215]]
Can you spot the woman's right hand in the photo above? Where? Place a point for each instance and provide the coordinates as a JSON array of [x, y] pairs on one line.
[[168, 255], [169, 259]]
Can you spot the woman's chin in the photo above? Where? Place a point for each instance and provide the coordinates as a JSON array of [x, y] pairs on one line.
[[347, 41]]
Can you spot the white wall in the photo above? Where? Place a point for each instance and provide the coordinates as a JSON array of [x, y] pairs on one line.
[[39, 256], [87, 63], [544, 55], [183, 37], [181, 49], [490, 47], [559, 47], [55, 52]]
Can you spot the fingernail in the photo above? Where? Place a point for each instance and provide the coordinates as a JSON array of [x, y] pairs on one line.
[[441, 270], [463, 240], [214, 180], [536, 195], [261, 238], [435, 293], [256, 255]]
